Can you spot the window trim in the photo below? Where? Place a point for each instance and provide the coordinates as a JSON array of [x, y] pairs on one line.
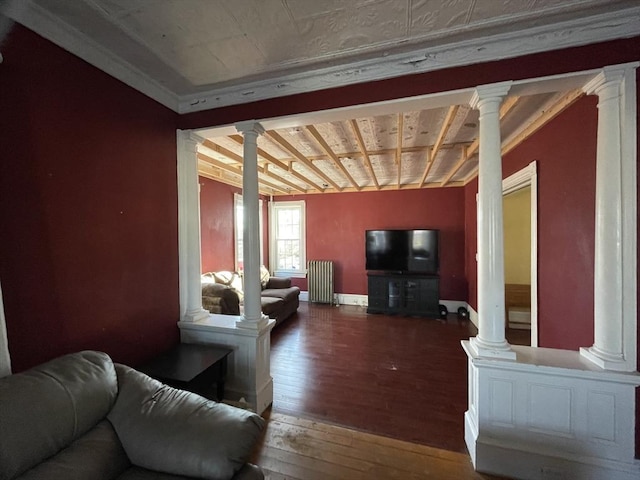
[[273, 208]]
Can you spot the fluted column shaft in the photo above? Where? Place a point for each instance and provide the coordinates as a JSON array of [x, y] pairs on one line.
[[252, 317], [189, 229], [490, 341]]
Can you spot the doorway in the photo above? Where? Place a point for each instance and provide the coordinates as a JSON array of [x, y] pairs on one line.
[[521, 256]]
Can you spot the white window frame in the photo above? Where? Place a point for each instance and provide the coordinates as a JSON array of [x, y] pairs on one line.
[[238, 230], [273, 260]]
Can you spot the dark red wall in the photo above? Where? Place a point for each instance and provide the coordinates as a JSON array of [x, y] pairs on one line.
[[88, 208], [565, 152], [336, 224], [216, 225]]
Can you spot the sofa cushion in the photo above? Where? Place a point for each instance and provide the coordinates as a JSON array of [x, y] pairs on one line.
[[44, 409], [286, 294], [270, 305], [97, 455], [177, 432]]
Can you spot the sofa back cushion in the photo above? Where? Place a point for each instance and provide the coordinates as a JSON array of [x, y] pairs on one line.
[[177, 432], [46, 408]]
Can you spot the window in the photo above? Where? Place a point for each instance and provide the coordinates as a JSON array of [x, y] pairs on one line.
[[287, 228], [238, 213]]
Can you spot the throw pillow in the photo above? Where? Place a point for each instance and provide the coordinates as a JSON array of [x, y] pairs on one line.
[[264, 276]]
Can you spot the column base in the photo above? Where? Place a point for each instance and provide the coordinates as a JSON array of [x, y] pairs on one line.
[[196, 315], [258, 324], [482, 348], [605, 360]]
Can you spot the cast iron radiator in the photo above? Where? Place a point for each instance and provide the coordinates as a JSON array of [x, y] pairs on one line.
[[320, 276]]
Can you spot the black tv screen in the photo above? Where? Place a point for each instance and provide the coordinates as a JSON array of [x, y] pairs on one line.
[[414, 251]]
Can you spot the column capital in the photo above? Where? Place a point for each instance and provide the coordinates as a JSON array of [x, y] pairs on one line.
[[187, 140], [250, 126], [609, 75], [485, 92]]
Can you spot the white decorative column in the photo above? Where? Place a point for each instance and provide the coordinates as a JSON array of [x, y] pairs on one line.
[[615, 292], [189, 229], [490, 341], [253, 317]]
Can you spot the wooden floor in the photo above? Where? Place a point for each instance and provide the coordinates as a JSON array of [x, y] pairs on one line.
[[294, 448], [400, 377], [360, 396]]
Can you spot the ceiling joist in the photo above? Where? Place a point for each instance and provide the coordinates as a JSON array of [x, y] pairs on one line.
[[363, 151], [322, 143], [444, 129], [274, 161], [534, 125], [237, 171], [277, 138]]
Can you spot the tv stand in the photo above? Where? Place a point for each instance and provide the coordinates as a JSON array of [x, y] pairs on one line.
[[404, 294]]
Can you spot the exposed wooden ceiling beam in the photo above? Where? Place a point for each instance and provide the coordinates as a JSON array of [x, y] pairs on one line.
[[276, 137], [238, 171], [274, 161], [545, 117], [444, 129], [327, 149], [532, 127], [427, 166], [363, 151], [265, 170], [207, 170], [455, 168], [237, 158], [399, 147]]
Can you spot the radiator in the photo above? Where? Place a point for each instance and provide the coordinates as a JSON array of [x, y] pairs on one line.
[[320, 276]]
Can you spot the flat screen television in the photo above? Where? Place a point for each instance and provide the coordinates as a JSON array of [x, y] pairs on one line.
[[405, 251]]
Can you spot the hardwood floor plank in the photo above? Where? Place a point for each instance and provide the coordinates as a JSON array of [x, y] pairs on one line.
[[360, 396], [298, 448], [396, 376]]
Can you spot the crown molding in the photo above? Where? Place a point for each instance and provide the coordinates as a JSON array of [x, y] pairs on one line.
[[48, 26], [572, 33], [601, 27]]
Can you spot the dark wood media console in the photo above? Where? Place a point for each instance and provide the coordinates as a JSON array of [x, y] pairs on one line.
[[404, 294]]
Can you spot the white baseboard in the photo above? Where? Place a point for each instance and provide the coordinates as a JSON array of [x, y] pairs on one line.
[[473, 315], [342, 299], [363, 301]]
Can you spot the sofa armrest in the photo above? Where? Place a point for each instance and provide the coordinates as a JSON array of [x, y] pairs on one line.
[[278, 282], [173, 431], [228, 303]]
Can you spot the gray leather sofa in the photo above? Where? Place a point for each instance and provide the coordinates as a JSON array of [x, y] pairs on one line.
[[83, 417]]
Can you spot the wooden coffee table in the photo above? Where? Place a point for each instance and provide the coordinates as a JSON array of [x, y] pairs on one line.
[[192, 367]]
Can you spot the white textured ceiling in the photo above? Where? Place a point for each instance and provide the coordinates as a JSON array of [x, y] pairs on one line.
[[198, 54]]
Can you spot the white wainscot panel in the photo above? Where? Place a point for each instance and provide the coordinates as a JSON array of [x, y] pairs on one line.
[[550, 414], [549, 409]]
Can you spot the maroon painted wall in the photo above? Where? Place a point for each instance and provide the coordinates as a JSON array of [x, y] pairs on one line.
[[216, 225], [565, 152], [336, 224], [88, 208]]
